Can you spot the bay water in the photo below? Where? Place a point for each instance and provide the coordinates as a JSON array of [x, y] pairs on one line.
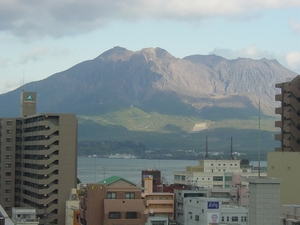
[[94, 169]]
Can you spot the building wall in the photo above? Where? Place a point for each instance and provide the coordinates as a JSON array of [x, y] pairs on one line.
[[264, 205], [9, 142], [97, 206], [285, 165], [206, 211]]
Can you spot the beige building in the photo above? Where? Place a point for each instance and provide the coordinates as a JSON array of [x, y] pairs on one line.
[[215, 173], [158, 204], [285, 165], [114, 200], [290, 119], [38, 161]]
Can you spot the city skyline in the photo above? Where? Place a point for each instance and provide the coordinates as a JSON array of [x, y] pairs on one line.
[[35, 45]]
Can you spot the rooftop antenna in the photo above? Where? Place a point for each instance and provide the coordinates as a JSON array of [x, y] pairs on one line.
[[206, 150], [231, 155], [23, 84], [259, 138]]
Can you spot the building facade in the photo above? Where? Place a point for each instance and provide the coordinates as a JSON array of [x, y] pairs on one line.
[[206, 211], [38, 161], [290, 116], [264, 204], [158, 204], [114, 200]]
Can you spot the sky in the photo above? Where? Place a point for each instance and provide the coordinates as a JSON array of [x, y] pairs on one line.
[[41, 38]]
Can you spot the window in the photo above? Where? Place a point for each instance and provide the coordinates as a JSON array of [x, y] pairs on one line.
[[228, 178], [227, 218], [7, 199], [211, 164], [114, 215], [8, 174], [131, 215], [8, 156], [8, 139], [158, 222], [8, 148], [8, 182], [129, 195], [8, 165], [234, 219], [9, 131], [7, 209], [217, 178], [177, 177], [111, 195], [243, 218], [196, 218], [9, 122], [7, 190], [222, 218]]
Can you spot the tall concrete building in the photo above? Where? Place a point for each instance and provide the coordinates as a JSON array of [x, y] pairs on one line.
[[284, 161], [264, 207], [38, 161]]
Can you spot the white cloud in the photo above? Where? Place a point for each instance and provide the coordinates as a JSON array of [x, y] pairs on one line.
[[32, 19], [293, 61], [295, 25], [9, 85], [249, 52], [37, 54], [4, 62]]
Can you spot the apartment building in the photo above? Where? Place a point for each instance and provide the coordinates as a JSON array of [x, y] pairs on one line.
[[114, 200], [290, 116], [38, 161]]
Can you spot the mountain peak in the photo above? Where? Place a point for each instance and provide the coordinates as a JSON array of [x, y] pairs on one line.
[[116, 53]]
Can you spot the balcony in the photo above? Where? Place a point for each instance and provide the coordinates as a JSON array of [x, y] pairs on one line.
[[278, 137], [278, 111], [278, 97]]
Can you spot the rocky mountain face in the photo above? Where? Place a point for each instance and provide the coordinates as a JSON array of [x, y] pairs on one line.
[[151, 79]]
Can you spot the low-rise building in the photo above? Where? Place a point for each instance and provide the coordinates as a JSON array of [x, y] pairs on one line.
[[157, 203], [206, 211], [215, 173], [290, 215], [24, 216], [114, 200]]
